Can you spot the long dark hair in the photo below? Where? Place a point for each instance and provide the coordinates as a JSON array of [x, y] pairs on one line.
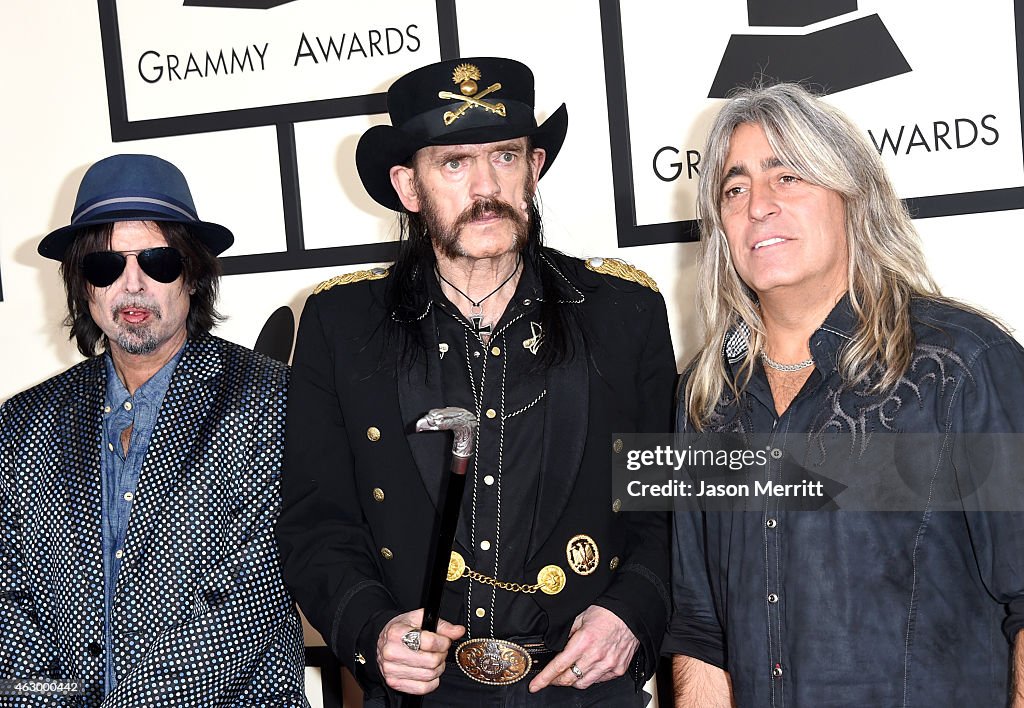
[[201, 275], [407, 293]]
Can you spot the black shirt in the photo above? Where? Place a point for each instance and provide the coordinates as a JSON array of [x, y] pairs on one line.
[[498, 382]]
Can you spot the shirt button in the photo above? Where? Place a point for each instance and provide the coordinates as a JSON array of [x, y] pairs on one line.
[[481, 612], [616, 506], [128, 496], [476, 355], [617, 446], [118, 553], [777, 671], [127, 405], [106, 409], [496, 351], [373, 434], [771, 523], [527, 302], [378, 494], [613, 563], [110, 446], [773, 598], [386, 553], [491, 413], [485, 545], [488, 480]]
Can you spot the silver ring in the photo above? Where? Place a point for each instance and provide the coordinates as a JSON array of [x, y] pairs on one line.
[[576, 671], [411, 639]]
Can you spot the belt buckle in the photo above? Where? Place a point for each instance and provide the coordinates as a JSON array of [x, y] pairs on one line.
[[496, 662]]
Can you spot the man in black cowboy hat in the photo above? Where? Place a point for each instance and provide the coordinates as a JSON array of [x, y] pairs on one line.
[[138, 489], [552, 589]]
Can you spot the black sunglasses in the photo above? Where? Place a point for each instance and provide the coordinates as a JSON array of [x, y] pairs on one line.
[[163, 264]]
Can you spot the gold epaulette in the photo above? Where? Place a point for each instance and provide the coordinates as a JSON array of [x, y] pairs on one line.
[[347, 278], [621, 269]]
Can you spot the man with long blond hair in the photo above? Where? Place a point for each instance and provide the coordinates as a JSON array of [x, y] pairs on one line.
[[828, 344]]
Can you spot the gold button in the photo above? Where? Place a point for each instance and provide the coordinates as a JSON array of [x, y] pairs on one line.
[[373, 434], [386, 553], [378, 494], [496, 351], [617, 445], [480, 612], [613, 563], [491, 413], [617, 506]]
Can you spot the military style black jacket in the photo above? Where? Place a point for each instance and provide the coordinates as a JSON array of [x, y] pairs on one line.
[[361, 489]]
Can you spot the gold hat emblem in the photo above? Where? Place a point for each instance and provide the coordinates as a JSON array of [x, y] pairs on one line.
[[466, 76], [582, 554]]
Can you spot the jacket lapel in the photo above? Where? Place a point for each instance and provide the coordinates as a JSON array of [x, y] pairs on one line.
[[81, 432], [167, 463], [565, 436], [420, 389]]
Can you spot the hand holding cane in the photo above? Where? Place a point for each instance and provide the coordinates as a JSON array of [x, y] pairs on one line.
[[463, 424]]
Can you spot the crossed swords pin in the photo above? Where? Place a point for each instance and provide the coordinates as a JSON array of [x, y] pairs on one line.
[[471, 101]]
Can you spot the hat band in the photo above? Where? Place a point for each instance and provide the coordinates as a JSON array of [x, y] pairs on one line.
[[431, 126], [132, 200]]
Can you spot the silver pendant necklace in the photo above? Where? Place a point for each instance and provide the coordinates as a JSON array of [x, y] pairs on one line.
[[477, 312], [800, 365]]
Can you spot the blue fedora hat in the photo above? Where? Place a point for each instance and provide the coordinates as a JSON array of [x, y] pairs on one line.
[[134, 188]]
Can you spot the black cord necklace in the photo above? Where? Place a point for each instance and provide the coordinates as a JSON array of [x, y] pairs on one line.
[[476, 314]]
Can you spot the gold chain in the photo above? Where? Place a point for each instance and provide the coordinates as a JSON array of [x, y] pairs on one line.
[[501, 585]]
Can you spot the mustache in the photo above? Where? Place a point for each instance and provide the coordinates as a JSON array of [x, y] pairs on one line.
[[488, 206], [135, 304]]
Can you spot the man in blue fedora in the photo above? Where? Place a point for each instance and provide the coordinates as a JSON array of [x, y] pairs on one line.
[[139, 488], [554, 595]]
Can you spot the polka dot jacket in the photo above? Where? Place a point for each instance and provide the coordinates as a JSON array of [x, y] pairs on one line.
[[200, 615]]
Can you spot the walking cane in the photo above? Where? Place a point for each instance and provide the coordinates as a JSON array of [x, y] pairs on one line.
[[463, 424]]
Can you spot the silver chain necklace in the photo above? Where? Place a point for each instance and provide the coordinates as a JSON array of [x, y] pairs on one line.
[[800, 365]]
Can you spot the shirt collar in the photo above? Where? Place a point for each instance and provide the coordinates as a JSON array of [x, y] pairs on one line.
[[152, 390], [825, 343], [527, 292]]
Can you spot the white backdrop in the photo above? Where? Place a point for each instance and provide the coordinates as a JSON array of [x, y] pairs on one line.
[[55, 123]]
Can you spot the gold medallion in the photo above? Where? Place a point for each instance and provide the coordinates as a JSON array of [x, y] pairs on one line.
[[551, 579], [493, 661], [456, 565], [582, 554]]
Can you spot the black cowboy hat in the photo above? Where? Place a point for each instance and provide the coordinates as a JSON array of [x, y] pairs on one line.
[[456, 102], [134, 188]]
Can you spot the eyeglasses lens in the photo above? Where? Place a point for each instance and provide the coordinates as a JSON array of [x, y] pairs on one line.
[[102, 268]]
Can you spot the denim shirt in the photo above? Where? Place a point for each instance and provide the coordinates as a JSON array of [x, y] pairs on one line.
[[120, 472], [912, 607]]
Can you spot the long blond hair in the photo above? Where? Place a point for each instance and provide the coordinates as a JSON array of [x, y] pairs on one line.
[[887, 267]]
